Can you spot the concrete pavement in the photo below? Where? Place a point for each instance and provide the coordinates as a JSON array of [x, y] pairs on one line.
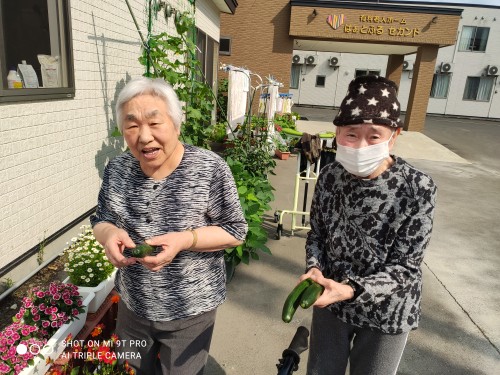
[[460, 328]]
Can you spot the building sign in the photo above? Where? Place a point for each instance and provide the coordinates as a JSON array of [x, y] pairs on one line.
[[375, 25], [335, 21]]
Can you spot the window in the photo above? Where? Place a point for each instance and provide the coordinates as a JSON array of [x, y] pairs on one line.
[[362, 72], [206, 54], [440, 85], [474, 38], [225, 46], [320, 81], [31, 28], [479, 88], [295, 76]]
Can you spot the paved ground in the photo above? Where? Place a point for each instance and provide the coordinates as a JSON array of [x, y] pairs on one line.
[[460, 327]]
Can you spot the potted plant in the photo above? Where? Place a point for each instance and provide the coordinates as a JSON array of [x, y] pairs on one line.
[[282, 151], [95, 356], [56, 311], [89, 268], [15, 341], [250, 162]]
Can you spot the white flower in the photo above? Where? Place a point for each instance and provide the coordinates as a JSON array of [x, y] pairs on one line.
[[87, 261], [80, 263], [83, 277], [87, 280], [99, 264], [91, 275], [89, 269]]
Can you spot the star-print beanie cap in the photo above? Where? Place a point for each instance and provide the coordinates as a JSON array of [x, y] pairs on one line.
[[370, 100]]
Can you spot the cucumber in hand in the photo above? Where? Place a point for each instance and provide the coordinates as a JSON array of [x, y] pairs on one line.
[[142, 250]]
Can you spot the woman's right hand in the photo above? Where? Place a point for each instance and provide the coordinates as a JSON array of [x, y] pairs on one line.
[[114, 240]]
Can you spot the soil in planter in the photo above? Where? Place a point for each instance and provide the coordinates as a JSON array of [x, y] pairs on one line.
[[53, 271]]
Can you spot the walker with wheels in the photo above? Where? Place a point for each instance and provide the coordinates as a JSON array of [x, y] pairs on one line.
[[306, 175]]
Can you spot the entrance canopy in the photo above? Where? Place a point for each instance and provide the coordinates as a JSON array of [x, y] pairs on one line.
[[394, 29]]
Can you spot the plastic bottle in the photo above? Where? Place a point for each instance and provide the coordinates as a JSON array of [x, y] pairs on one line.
[[14, 80]]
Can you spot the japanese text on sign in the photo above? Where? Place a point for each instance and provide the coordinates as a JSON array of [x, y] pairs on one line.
[[393, 30]]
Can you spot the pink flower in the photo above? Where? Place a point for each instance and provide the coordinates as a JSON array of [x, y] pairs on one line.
[[28, 302], [25, 331], [40, 294], [45, 323], [75, 312], [36, 317]]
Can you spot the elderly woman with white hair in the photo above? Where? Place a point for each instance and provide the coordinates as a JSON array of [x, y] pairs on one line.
[[183, 201]]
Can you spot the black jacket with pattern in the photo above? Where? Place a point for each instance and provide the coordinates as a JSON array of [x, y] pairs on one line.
[[374, 232]]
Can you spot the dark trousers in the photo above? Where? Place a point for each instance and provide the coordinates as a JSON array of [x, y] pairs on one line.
[[178, 347], [334, 343]]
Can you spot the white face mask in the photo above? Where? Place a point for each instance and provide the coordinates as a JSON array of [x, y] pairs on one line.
[[363, 161]]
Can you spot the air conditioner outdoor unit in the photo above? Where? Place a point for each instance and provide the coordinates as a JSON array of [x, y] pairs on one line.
[[310, 60], [492, 70], [407, 65], [334, 61], [297, 59], [446, 67]]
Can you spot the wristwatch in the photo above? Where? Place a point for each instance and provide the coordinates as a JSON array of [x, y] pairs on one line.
[[354, 287]]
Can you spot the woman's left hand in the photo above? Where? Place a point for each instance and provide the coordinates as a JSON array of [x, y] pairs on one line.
[[171, 243]]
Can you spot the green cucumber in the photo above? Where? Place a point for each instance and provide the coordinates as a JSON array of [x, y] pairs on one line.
[[293, 300], [142, 250], [311, 294]]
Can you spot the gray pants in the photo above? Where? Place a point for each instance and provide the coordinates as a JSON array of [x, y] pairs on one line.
[[333, 343], [178, 347]]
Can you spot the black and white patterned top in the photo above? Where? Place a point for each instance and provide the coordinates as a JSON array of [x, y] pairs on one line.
[[374, 232], [199, 192]]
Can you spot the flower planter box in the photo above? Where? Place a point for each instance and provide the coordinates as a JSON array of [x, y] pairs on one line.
[[57, 343], [101, 291], [282, 155]]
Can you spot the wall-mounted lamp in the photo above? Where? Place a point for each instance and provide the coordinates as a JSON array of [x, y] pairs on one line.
[[475, 18], [314, 13], [434, 19]]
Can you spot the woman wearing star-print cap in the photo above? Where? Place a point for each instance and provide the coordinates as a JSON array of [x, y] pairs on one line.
[[371, 220]]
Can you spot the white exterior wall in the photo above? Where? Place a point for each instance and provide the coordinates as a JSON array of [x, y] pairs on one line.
[[337, 79], [52, 153], [464, 64], [208, 18]]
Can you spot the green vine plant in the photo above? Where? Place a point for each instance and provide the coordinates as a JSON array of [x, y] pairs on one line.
[[174, 60], [250, 162]]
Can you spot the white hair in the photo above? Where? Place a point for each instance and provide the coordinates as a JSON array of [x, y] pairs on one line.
[[150, 86]]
